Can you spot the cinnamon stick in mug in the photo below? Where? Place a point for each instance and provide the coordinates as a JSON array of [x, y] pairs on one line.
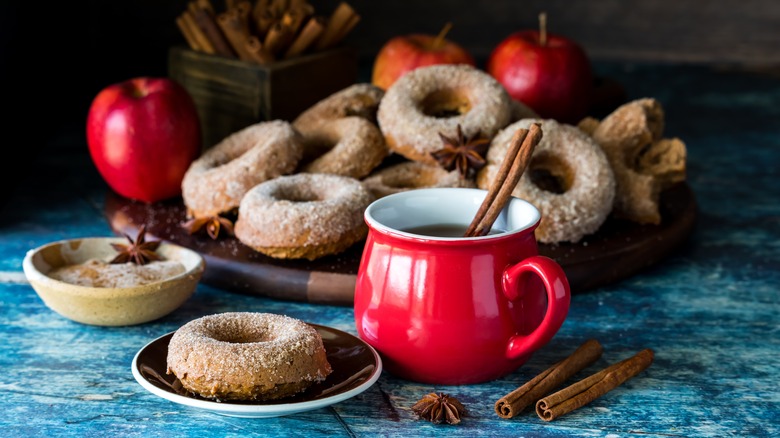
[[513, 403], [593, 387]]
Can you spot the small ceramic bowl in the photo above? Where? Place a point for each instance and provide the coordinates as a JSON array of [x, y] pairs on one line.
[[107, 306]]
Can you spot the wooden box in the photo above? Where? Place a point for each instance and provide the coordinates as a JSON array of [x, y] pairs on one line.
[[231, 94]]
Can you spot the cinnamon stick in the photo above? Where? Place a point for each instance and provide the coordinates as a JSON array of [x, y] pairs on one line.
[[277, 7], [244, 9], [197, 33], [507, 185], [185, 30], [256, 50], [293, 20], [499, 180], [205, 5], [231, 26], [513, 403], [260, 8], [278, 38], [345, 30], [340, 18], [593, 387], [205, 21], [313, 29], [264, 23]]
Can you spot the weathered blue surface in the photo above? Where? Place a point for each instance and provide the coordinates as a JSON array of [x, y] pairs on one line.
[[710, 312]]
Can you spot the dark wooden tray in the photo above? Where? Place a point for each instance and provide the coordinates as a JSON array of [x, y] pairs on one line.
[[618, 250]]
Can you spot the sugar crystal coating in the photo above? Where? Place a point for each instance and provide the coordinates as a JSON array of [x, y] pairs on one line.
[[247, 356]]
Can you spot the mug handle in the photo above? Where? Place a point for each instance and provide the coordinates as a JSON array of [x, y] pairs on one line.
[[558, 297]]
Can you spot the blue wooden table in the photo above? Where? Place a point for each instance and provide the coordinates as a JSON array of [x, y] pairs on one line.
[[710, 311]]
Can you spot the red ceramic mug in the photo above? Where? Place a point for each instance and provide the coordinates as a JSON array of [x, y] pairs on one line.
[[454, 310]]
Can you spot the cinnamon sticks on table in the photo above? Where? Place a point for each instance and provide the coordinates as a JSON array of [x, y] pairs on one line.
[[550, 379], [593, 387], [264, 31], [551, 406]]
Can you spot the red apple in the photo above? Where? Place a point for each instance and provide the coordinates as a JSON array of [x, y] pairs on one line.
[[143, 134], [549, 73], [408, 52]]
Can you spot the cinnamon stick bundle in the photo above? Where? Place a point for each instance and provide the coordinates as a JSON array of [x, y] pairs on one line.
[[593, 387], [516, 160], [281, 29], [513, 403]]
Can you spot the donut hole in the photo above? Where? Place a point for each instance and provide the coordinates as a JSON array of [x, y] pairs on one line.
[[550, 174], [297, 194], [445, 103], [317, 146], [242, 337]]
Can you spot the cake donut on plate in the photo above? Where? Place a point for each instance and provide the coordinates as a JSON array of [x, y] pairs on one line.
[[578, 199], [216, 182], [305, 215], [247, 356], [434, 100]]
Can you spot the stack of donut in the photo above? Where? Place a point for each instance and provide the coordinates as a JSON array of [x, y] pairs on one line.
[[300, 188]]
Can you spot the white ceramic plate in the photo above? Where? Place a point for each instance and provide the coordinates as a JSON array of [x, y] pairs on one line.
[[356, 366]]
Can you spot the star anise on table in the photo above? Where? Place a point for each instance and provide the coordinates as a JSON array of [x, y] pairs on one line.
[[467, 154], [438, 408], [212, 224], [139, 251]]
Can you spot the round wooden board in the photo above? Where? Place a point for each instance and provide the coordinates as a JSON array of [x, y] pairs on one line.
[[618, 250]]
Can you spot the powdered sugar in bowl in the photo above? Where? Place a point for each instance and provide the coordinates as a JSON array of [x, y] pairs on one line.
[[98, 293]]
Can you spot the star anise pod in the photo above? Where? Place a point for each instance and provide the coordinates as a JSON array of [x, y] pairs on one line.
[[212, 224], [438, 408], [139, 251], [463, 153]]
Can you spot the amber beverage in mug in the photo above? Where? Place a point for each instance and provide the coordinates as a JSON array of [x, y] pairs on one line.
[[446, 309]]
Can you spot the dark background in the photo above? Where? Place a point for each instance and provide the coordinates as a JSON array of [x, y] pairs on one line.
[[55, 57]]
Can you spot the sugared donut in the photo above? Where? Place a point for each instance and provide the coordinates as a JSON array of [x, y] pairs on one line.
[[216, 182], [643, 162], [247, 356], [304, 215], [436, 99], [360, 100], [412, 175], [349, 146], [577, 166]]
